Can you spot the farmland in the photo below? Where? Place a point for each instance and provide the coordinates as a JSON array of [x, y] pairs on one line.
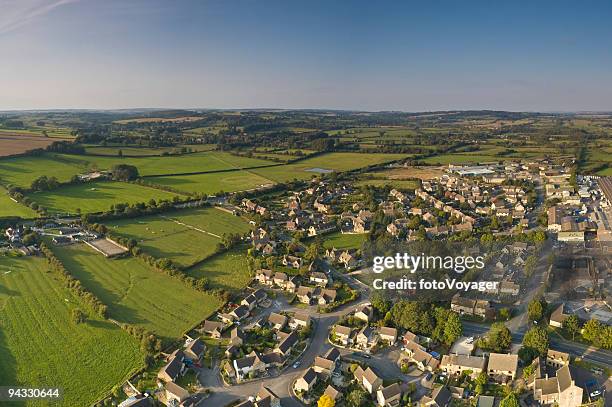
[[22, 171], [95, 196], [213, 183], [227, 270], [10, 208], [184, 237], [313, 166], [41, 346], [137, 294], [142, 151]]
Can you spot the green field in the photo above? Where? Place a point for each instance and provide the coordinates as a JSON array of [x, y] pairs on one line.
[[227, 270], [329, 161], [22, 171], [213, 183], [41, 347], [463, 159], [344, 241], [96, 196], [113, 151], [137, 294], [395, 183], [185, 237], [8, 207]]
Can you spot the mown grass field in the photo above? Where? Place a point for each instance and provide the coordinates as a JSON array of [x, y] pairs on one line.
[[21, 171], [330, 161], [95, 196], [9, 208], [344, 241], [113, 151], [395, 183], [463, 159], [227, 270], [213, 183], [41, 347], [137, 294], [185, 236]]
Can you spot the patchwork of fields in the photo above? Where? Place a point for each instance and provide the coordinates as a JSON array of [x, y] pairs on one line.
[[96, 196], [185, 237], [310, 167], [21, 171], [40, 346], [137, 294]]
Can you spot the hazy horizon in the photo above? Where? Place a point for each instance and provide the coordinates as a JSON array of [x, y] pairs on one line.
[[547, 57]]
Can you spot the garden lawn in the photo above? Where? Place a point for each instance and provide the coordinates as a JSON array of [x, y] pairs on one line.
[[213, 183], [137, 294], [344, 241], [227, 270], [8, 207], [327, 162], [96, 196], [40, 346], [185, 237]]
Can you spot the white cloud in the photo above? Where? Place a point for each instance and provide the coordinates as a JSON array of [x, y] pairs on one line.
[[15, 14]]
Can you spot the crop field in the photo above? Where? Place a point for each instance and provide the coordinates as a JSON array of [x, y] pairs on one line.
[[227, 270], [395, 183], [40, 346], [8, 207], [310, 167], [15, 143], [95, 196], [213, 183], [344, 241], [185, 236], [463, 159], [137, 294], [22, 171], [142, 151]]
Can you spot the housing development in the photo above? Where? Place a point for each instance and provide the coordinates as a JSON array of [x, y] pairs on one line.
[[236, 258]]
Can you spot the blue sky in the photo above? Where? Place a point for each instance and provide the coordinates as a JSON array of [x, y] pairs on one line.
[[363, 55]]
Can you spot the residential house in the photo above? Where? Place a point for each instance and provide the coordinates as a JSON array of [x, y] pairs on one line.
[[502, 367], [239, 313], [264, 276], [175, 394], [327, 296], [326, 364], [195, 350], [267, 398], [343, 334], [292, 261], [174, 368], [560, 390], [299, 320], [319, 278], [237, 337], [305, 294], [440, 397], [332, 392], [286, 344], [277, 321], [389, 396], [557, 359], [213, 328], [368, 379], [364, 312], [423, 359], [366, 337], [388, 335], [306, 382], [456, 364], [557, 317]]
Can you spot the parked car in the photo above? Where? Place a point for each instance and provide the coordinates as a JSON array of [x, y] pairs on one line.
[[297, 364]]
